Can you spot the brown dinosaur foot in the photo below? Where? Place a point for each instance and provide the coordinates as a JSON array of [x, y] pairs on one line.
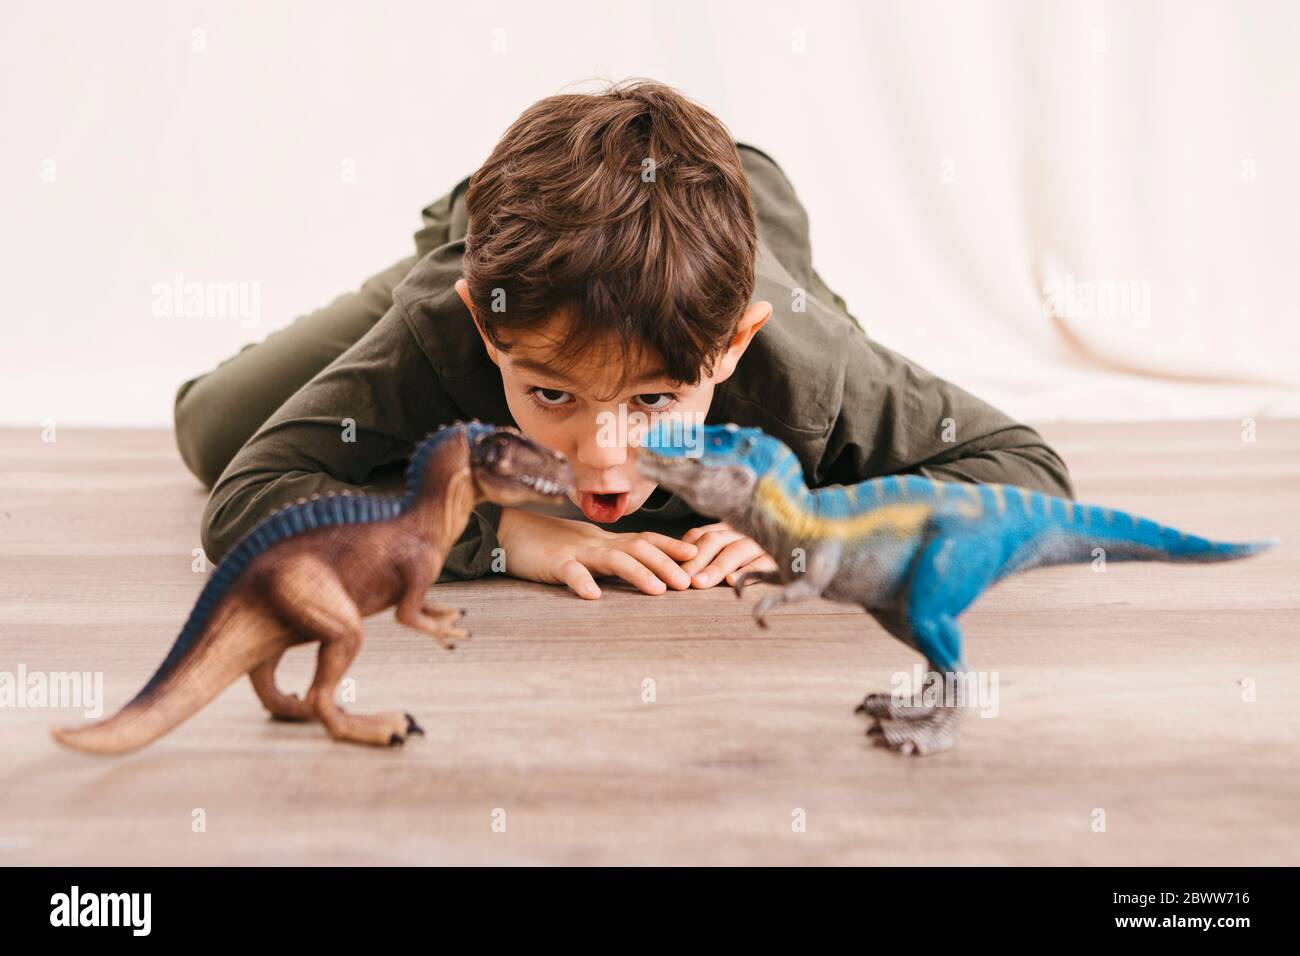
[[443, 612], [388, 729], [293, 716], [412, 729], [436, 621], [919, 736], [281, 706], [288, 708], [448, 636]]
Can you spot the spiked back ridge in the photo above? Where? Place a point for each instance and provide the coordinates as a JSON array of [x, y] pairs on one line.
[[307, 514], [472, 431]]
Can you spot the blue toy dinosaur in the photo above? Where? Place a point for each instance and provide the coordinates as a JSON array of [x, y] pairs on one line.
[[915, 553]]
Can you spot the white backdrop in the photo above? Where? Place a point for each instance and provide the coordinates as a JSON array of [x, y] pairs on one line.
[[1076, 209]]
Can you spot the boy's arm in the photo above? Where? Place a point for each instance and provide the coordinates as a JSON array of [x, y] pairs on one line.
[[896, 417], [352, 427]]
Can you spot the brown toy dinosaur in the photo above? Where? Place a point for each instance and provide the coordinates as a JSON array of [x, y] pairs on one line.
[[312, 571]]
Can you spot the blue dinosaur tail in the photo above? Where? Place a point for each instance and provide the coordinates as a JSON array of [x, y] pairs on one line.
[[1044, 530], [1127, 537]]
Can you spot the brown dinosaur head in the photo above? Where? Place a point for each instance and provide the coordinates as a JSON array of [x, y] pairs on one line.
[[512, 469]]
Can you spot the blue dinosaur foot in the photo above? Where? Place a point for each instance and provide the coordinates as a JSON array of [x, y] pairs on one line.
[[915, 729], [745, 578], [884, 707], [919, 736]]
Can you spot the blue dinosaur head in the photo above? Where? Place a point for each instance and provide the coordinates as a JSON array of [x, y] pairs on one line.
[[713, 467], [715, 444]]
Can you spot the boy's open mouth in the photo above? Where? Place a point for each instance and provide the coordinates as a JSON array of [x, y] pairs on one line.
[[604, 507]]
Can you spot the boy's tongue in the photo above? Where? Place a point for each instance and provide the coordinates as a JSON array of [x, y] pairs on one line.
[[604, 508]]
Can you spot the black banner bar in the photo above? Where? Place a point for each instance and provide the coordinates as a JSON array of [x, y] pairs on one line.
[[333, 905]]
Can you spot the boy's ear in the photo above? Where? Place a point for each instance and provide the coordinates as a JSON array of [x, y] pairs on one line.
[[462, 290], [753, 319]]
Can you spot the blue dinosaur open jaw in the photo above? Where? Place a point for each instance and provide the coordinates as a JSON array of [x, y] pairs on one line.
[[670, 449], [665, 468]]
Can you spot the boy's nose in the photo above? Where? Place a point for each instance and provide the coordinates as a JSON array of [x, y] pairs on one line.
[[597, 450]]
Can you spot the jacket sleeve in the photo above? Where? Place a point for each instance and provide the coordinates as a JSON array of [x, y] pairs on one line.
[[351, 427], [897, 418]]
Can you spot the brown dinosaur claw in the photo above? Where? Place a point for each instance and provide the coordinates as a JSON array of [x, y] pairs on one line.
[[412, 727], [396, 740], [448, 636]]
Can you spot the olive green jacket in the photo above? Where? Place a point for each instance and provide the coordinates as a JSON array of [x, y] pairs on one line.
[[850, 408]]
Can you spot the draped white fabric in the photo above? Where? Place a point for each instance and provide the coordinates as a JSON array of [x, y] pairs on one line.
[[1078, 210], [1075, 209]]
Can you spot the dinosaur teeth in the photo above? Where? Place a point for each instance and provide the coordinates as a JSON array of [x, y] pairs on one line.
[[542, 486]]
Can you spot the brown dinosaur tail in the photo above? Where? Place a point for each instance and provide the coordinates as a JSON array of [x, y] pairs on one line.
[[230, 644]]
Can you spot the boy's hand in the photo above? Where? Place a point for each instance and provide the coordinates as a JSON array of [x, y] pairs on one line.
[[560, 551], [723, 553]]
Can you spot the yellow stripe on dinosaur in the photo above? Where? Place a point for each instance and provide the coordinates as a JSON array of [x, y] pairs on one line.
[[900, 520]]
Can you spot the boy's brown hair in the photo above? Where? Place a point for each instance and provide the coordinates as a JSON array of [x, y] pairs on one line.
[[629, 211]]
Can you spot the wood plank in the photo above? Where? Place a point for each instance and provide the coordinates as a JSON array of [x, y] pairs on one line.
[[1120, 691]]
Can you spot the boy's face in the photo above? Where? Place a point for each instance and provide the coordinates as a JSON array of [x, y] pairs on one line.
[[593, 409]]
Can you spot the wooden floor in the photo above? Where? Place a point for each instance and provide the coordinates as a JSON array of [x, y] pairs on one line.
[[1120, 692]]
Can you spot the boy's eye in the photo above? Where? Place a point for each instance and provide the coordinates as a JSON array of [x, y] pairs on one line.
[[655, 401], [550, 396]]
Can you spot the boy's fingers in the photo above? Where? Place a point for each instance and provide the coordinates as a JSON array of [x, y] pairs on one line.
[[696, 533], [734, 555], [579, 580], [706, 548], [668, 570], [632, 571], [709, 546], [678, 550]]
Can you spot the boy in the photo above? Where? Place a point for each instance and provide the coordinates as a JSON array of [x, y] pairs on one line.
[[617, 251]]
